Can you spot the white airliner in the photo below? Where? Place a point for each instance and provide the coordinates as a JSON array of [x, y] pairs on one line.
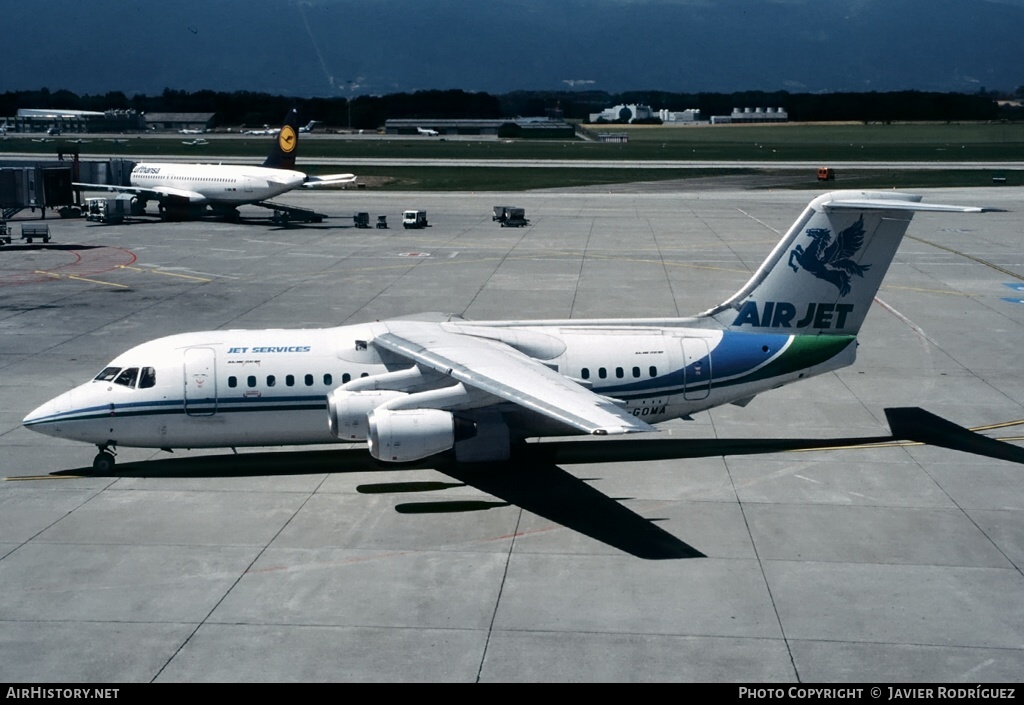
[[187, 131], [183, 190], [308, 127], [416, 387], [426, 131], [265, 131]]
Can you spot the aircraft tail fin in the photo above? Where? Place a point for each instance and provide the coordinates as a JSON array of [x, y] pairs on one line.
[[823, 275], [282, 156]]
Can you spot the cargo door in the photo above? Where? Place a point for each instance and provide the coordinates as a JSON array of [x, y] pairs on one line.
[[696, 369], [200, 382]]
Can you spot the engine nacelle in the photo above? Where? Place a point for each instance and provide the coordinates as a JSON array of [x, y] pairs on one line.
[[347, 411], [414, 434]]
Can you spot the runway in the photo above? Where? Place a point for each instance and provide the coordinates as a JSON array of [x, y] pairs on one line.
[[864, 559]]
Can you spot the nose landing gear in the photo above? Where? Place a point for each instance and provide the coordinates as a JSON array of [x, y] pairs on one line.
[[104, 460]]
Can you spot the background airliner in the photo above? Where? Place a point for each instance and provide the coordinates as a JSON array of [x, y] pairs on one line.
[[426, 131], [415, 387], [185, 190]]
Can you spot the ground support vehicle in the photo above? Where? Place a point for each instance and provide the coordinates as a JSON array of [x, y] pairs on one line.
[[31, 231], [414, 220], [111, 210], [515, 218]]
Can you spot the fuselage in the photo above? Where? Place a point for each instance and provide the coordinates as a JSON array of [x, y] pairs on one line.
[[216, 183], [270, 387]]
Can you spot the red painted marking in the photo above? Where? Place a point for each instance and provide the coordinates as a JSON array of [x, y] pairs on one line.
[[83, 263]]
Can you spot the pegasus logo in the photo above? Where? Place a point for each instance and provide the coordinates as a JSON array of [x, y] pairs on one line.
[[831, 260]]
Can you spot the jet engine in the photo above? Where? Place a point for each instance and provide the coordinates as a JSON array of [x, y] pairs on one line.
[[347, 411], [414, 434]]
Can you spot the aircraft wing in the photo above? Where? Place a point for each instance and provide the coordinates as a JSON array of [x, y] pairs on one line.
[[508, 374], [328, 180], [158, 193]]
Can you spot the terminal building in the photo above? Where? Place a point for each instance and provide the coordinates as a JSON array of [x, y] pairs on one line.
[[751, 115], [60, 121], [637, 112], [682, 117], [623, 113]]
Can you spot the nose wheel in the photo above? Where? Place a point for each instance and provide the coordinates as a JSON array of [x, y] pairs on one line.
[[104, 460]]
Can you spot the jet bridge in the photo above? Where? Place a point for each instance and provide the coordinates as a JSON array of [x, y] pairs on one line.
[[46, 184], [34, 187]]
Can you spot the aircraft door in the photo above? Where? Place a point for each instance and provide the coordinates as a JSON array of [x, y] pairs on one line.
[[247, 182], [200, 367], [696, 368]]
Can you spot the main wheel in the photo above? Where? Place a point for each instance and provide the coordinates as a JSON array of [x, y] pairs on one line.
[[103, 462]]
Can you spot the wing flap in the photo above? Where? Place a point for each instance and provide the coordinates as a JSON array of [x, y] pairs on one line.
[[508, 374]]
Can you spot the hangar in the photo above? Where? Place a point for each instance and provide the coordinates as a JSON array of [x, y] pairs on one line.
[[179, 121]]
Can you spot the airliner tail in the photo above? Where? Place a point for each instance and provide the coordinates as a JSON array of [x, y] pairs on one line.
[[823, 275], [286, 144]]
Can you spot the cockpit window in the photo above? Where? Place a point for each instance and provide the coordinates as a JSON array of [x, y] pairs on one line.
[[107, 375], [127, 377], [148, 378]]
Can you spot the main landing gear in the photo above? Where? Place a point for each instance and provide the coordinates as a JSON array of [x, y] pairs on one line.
[[104, 460]]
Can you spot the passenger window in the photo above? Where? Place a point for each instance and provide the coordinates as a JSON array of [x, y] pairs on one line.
[[602, 372], [328, 379], [251, 381], [290, 380], [127, 378], [271, 380], [365, 374], [107, 374], [345, 378], [636, 371], [585, 373], [619, 372], [654, 371], [309, 380], [148, 378], [232, 381]]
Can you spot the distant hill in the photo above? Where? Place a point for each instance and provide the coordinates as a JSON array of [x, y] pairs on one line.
[[340, 48]]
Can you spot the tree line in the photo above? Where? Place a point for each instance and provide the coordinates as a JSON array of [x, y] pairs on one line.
[[370, 112]]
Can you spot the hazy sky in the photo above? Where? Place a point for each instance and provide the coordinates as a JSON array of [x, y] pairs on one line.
[[342, 47]]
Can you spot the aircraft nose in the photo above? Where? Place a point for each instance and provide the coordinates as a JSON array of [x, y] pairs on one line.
[[45, 418]]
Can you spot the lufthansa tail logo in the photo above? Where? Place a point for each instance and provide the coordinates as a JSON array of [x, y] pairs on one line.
[[286, 139], [831, 260]]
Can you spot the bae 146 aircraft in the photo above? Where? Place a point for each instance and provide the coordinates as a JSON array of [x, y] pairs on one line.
[[184, 190], [421, 386]]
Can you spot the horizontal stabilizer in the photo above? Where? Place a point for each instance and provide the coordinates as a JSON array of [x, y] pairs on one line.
[[328, 180], [895, 205]]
